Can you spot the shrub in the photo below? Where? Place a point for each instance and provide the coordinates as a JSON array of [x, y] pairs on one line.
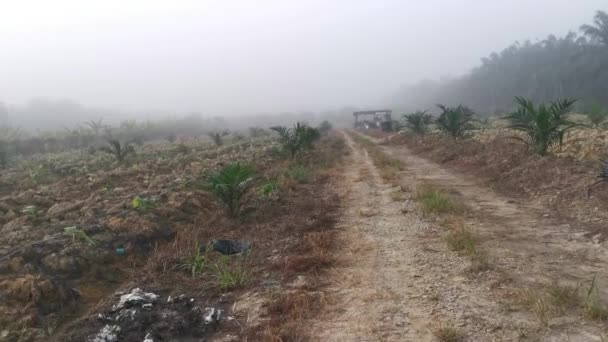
[[118, 150], [455, 121], [297, 139], [418, 122], [543, 125], [230, 184]]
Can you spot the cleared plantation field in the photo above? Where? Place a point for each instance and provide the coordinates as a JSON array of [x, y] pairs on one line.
[[82, 231]]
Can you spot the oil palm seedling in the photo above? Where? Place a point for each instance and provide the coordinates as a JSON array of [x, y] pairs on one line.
[[78, 234], [230, 184], [542, 126], [418, 122], [33, 212], [95, 125], [142, 205], [255, 132], [118, 150], [297, 139], [455, 121], [217, 137]]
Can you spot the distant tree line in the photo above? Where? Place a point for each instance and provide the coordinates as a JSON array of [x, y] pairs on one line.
[[573, 66]]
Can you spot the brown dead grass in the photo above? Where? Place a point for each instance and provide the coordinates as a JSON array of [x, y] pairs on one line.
[[305, 246], [290, 312], [315, 254], [503, 164]]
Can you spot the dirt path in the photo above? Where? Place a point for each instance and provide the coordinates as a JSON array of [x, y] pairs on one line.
[[522, 236], [397, 281]]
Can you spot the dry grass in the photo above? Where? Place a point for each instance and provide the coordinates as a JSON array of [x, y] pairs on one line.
[[504, 164], [447, 332], [593, 305], [460, 238], [434, 200], [563, 296], [289, 312], [537, 303], [555, 299]]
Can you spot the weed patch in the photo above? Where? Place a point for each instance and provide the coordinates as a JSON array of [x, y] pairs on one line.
[[230, 277], [300, 174], [593, 306], [462, 239], [197, 263], [435, 201]]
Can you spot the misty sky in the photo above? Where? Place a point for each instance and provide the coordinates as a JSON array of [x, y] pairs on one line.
[[250, 56]]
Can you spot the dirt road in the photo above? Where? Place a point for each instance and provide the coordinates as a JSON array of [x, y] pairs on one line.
[[398, 281]]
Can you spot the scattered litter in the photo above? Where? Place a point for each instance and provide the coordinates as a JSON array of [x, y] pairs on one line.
[[212, 315], [228, 247], [145, 316], [109, 333], [137, 296]]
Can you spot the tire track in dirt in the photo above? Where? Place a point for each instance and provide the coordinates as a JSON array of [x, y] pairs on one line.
[[533, 249], [396, 280]]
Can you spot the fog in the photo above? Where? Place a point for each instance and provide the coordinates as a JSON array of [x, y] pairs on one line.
[[233, 58]]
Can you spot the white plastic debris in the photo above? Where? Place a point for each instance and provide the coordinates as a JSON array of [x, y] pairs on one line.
[[212, 315], [136, 296], [148, 338], [109, 333]]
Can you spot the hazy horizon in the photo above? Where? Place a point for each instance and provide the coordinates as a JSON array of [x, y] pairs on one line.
[[241, 57]]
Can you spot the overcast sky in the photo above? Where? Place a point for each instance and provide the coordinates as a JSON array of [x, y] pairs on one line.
[[254, 55]]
